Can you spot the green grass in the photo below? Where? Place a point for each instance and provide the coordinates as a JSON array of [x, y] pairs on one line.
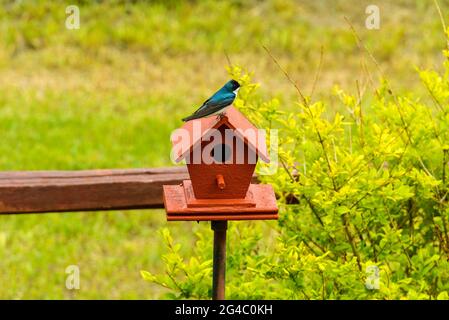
[[109, 94]]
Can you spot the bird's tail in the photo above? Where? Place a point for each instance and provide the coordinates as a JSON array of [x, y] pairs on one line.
[[192, 117]]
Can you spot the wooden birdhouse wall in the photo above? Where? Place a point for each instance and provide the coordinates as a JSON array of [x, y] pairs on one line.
[[237, 176]]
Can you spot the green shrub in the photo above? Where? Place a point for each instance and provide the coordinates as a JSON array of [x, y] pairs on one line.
[[364, 187]]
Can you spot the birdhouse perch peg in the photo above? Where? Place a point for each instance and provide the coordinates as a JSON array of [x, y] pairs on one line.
[[220, 182]]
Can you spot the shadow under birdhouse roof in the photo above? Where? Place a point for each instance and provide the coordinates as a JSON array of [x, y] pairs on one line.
[[201, 129]]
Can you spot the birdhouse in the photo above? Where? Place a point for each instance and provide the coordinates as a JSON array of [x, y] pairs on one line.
[[221, 154]]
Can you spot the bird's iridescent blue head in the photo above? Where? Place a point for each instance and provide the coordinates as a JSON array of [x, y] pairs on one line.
[[232, 86]]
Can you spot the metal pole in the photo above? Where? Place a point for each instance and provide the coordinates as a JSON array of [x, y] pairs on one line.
[[219, 268]]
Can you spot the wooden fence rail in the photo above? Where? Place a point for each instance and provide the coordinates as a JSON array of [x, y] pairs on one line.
[[85, 190]]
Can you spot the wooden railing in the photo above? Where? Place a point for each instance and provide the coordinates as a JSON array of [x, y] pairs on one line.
[[85, 190]]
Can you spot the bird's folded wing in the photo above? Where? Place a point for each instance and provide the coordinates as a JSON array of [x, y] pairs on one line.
[[214, 105], [203, 105]]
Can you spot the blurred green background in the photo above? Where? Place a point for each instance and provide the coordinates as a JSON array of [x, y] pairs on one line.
[[108, 95]]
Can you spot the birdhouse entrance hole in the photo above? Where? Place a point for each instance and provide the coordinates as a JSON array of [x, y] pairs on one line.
[[221, 153]]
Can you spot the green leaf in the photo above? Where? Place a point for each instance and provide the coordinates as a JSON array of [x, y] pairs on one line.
[[147, 276]]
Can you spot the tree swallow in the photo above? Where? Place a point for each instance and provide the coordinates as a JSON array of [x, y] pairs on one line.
[[218, 103]]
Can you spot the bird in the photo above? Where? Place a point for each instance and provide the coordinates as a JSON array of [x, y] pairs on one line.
[[217, 103]]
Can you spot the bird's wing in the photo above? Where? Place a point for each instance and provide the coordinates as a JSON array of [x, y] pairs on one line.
[[216, 99], [204, 104], [214, 104]]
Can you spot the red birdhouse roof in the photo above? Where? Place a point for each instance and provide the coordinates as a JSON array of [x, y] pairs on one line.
[[200, 128]]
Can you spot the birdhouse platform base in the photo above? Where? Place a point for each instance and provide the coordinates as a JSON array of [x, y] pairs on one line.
[[193, 202], [181, 205]]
